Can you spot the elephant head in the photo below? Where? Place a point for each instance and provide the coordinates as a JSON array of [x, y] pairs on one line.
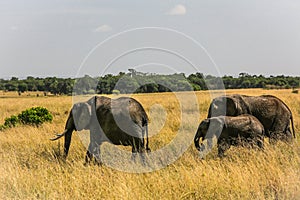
[[81, 113], [209, 128], [201, 133], [79, 119]]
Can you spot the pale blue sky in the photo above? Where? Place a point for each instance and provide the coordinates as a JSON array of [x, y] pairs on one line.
[[53, 37]]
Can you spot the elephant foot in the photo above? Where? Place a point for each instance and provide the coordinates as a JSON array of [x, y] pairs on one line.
[[221, 155], [148, 150], [139, 158], [92, 158], [94, 161], [261, 145]]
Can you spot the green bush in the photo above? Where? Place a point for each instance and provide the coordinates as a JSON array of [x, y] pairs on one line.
[[11, 121], [33, 116]]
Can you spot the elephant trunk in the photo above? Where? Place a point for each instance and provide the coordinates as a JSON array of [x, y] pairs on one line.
[[68, 137], [70, 126], [196, 141]]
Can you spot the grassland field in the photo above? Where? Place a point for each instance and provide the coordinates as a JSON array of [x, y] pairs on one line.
[[30, 167]]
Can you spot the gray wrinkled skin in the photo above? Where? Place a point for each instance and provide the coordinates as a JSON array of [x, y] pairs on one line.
[[272, 112], [239, 130], [121, 121]]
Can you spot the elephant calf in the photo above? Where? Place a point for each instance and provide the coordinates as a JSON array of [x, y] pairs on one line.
[[242, 129]]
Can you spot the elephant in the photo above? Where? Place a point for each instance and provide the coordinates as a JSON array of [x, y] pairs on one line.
[[243, 129], [121, 121], [271, 111]]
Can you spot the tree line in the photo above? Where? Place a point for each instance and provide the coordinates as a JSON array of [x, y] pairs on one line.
[[145, 83]]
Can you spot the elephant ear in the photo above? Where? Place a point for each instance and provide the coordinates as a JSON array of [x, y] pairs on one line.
[[217, 107], [82, 115], [233, 107], [236, 105]]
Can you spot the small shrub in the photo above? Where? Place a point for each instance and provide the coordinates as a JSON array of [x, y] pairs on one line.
[[2, 127], [11, 121], [35, 116]]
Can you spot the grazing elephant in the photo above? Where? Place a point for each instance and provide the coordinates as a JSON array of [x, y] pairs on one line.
[[242, 129], [121, 121], [272, 112]]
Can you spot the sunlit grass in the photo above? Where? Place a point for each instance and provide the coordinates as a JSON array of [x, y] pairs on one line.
[[31, 168]]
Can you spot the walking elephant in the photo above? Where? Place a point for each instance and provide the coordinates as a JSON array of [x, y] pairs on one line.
[[121, 121], [242, 129], [272, 112]]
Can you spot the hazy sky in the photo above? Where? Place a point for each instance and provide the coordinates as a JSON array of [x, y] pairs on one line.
[[66, 38]]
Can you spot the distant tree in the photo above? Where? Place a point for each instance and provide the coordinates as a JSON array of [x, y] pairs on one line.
[[14, 79], [40, 84], [85, 85], [151, 88], [22, 87], [145, 82], [11, 86], [295, 83], [2, 83]]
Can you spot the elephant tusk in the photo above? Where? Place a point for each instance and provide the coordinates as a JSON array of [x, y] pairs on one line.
[[59, 135]]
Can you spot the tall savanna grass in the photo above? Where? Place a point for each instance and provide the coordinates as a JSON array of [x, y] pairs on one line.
[[31, 168]]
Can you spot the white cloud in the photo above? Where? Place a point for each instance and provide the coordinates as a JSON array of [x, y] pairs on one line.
[[177, 10], [103, 28]]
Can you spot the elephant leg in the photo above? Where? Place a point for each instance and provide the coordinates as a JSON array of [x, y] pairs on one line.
[[134, 153], [96, 140], [93, 152], [142, 155], [260, 142], [88, 157], [273, 137], [138, 148], [209, 143], [288, 136], [223, 145], [285, 136]]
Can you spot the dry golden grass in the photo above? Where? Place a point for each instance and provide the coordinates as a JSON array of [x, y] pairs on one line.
[[30, 169]]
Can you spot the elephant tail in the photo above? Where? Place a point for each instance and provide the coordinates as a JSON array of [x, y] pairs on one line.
[[147, 140], [291, 118], [68, 135], [293, 128]]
